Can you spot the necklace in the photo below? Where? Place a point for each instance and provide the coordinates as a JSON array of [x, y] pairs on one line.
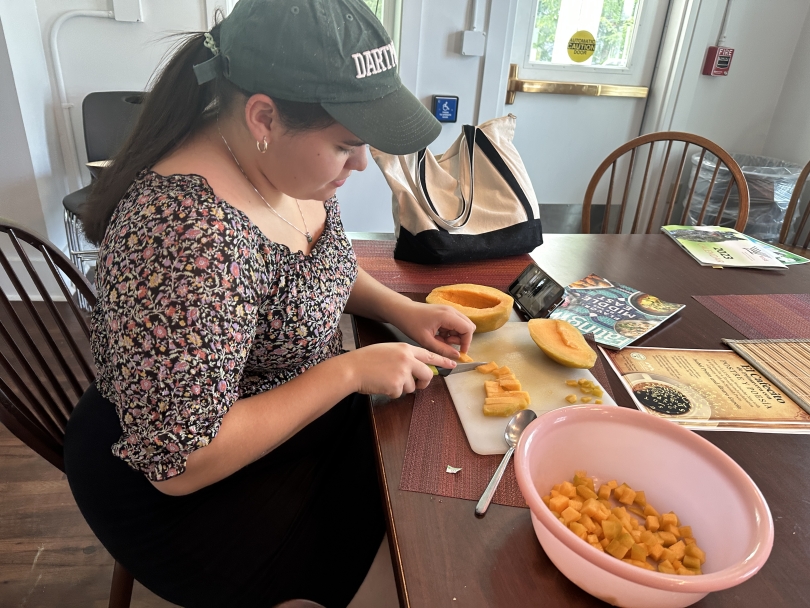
[[305, 231]]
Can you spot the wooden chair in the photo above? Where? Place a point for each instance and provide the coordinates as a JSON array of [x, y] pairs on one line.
[[45, 365], [793, 207], [656, 198]]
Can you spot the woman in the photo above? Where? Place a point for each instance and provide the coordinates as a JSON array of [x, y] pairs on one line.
[[222, 456]]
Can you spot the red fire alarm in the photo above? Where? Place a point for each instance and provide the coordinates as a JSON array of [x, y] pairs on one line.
[[718, 60]]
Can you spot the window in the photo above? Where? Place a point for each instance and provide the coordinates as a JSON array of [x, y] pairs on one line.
[[595, 33], [388, 12]]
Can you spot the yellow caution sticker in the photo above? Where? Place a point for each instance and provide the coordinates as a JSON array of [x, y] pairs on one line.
[[581, 46]]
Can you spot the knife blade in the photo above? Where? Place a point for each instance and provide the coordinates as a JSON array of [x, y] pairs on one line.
[[458, 369]]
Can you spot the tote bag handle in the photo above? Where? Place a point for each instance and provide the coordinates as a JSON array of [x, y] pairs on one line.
[[420, 187]]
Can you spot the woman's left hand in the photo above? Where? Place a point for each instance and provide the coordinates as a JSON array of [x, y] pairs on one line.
[[435, 327]]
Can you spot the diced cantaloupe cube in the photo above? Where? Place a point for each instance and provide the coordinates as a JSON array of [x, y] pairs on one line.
[[679, 549], [686, 531], [684, 571], [613, 484], [586, 492], [640, 499], [667, 538], [575, 503], [694, 551], [666, 567], [568, 489], [578, 529], [592, 539], [627, 497], [570, 514], [625, 539], [558, 503], [604, 491], [604, 542], [638, 552], [503, 371], [589, 524], [652, 523], [669, 518], [668, 555], [674, 530], [611, 529], [656, 551], [616, 549], [546, 499], [649, 510]]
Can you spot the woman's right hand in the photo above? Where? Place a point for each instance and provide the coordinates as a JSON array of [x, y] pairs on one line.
[[393, 368]]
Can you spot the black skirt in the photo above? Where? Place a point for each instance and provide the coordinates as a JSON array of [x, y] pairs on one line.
[[304, 521]]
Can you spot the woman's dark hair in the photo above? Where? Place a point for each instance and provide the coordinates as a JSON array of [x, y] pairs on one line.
[[173, 109]]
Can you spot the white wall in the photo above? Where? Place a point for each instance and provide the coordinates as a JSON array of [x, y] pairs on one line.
[[35, 199], [789, 135], [19, 199], [736, 111]]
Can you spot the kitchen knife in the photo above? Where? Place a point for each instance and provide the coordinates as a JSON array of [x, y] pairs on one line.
[[460, 368]]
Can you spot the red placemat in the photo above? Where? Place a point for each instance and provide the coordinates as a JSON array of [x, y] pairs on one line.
[[763, 316], [377, 259], [436, 439]]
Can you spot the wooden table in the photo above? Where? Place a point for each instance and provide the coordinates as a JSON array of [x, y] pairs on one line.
[[444, 556]]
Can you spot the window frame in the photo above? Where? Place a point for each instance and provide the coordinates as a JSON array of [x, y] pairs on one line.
[[528, 64]]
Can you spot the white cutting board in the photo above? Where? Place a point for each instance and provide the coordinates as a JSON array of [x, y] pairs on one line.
[[541, 377]]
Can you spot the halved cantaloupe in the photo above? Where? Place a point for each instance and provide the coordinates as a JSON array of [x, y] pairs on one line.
[[562, 342], [487, 307]]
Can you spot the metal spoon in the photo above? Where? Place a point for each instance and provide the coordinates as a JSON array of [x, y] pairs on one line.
[[514, 428]]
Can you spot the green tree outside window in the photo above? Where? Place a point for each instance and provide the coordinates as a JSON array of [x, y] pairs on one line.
[[612, 39]]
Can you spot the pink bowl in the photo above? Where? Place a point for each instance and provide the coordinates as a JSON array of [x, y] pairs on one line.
[[678, 470]]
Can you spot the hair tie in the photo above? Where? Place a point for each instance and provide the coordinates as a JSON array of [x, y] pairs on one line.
[[211, 44], [208, 70]]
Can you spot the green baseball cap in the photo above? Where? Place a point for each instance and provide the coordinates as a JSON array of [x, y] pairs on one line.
[[332, 52]]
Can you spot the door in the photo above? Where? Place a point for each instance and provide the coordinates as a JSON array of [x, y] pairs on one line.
[[582, 48]]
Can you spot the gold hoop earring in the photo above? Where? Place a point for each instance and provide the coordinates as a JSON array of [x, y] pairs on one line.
[[263, 146]]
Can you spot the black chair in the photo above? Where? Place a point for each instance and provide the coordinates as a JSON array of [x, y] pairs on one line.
[[108, 117], [45, 360]]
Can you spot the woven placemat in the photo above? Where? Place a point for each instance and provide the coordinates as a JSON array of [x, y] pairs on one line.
[[763, 316], [436, 439], [377, 259]]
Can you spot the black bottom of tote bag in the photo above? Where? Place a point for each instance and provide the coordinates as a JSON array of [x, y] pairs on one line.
[[440, 247]]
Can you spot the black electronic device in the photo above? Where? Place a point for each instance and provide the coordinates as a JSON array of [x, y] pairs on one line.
[[536, 294]]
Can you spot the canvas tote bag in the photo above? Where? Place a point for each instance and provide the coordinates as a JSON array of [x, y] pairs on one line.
[[473, 202]]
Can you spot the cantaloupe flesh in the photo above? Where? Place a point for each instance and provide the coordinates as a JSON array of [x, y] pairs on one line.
[[487, 307], [562, 342]]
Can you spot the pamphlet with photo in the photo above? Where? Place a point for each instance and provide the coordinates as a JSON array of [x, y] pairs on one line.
[[615, 314], [725, 247]]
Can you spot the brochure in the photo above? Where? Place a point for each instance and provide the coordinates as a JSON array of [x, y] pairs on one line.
[[788, 258], [706, 390], [616, 314], [724, 247]]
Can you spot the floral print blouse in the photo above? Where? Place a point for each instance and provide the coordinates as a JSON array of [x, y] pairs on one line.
[[198, 308]]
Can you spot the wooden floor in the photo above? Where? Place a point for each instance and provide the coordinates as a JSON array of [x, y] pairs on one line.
[[48, 555]]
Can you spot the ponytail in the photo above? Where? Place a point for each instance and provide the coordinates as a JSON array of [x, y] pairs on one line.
[[174, 108]]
